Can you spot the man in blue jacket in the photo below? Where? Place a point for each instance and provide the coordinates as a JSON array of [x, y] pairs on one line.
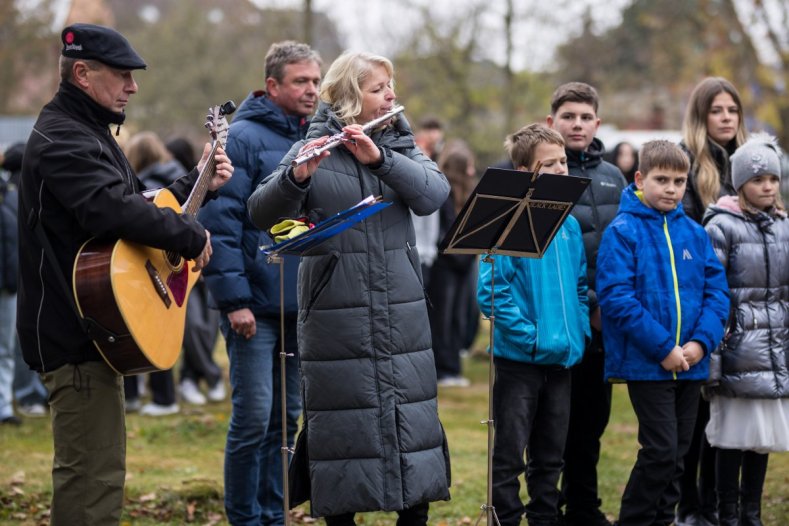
[[246, 287]]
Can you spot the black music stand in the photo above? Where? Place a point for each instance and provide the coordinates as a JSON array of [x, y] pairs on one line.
[[518, 214], [298, 245]]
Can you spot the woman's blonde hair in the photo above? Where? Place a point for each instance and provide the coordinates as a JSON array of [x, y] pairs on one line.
[[696, 138], [341, 88]]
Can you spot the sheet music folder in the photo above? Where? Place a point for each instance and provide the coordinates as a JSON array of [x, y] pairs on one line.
[[327, 228], [514, 213]]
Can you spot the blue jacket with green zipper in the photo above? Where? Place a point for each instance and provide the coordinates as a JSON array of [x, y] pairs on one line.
[[659, 285], [542, 306]]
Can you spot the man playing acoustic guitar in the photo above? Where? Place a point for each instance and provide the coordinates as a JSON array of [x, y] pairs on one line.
[[76, 184]]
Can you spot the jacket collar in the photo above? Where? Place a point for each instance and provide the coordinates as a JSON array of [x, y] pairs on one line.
[[81, 106], [631, 202], [588, 158]]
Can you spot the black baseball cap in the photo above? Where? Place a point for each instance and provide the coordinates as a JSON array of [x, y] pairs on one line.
[[90, 41]]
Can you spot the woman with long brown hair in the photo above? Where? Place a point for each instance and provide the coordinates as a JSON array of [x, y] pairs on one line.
[[713, 129]]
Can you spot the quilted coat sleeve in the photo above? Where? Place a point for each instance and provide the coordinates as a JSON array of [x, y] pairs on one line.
[[415, 178], [278, 195]]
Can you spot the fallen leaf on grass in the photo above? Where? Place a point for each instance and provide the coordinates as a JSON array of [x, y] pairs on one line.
[[148, 497], [17, 479]]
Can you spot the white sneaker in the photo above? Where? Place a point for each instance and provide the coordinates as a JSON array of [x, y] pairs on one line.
[[152, 409], [217, 393], [35, 410], [190, 393], [454, 381]]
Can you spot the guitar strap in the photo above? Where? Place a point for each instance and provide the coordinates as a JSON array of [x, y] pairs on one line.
[[91, 327]]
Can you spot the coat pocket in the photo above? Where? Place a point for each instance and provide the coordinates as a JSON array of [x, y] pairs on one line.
[[321, 282]]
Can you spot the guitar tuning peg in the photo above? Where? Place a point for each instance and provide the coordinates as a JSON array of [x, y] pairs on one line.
[[227, 108]]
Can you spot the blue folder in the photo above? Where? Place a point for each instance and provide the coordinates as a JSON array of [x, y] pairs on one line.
[[327, 228]]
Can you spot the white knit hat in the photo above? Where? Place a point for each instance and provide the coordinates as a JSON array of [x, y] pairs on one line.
[[759, 155]]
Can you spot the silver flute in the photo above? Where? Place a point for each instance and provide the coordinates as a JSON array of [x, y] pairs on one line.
[[339, 138]]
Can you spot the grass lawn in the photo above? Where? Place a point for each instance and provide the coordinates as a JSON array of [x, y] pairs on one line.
[[175, 464]]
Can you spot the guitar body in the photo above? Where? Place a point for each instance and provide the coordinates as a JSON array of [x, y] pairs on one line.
[[140, 294]]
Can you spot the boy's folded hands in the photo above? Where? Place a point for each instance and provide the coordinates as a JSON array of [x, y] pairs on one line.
[[676, 361]]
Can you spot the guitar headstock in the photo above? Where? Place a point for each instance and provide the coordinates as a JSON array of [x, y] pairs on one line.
[[216, 121]]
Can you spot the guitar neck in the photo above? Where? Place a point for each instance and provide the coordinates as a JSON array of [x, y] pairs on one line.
[[198, 193]]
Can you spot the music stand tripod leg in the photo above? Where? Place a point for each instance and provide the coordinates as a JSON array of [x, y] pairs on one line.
[[285, 449], [488, 510]]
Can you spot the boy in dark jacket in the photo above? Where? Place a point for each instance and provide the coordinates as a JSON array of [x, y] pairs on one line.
[[574, 114], [664, 301]]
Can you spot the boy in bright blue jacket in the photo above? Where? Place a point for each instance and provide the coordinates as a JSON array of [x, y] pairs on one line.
[[542, 327], [664, 301]]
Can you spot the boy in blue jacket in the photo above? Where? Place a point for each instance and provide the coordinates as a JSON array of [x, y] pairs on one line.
[[542, 327], [664, 301]]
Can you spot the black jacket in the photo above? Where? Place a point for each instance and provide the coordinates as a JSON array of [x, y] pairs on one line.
[[598, 204], [691, 201], [78, 184]]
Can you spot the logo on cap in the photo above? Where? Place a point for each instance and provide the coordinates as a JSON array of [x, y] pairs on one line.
[[69, 37]]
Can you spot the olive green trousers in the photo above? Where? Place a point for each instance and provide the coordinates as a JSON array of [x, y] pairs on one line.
[[89, 433]]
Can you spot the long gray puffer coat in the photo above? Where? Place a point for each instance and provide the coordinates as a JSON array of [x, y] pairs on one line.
[[755, 252], [368, 377]]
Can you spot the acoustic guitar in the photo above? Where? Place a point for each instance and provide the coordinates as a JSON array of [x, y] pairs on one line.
[[137, 295]]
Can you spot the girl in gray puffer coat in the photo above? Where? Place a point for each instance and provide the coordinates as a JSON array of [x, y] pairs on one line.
[[749, 408]]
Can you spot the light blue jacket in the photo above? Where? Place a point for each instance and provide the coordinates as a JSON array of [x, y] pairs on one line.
[[660, 285], [542, 307]]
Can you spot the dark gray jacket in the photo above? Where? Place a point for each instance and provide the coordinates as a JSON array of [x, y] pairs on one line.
[[368, 377], [754, 355], [597, 206]]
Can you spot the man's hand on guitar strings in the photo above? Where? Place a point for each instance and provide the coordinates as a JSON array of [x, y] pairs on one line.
[[202, 260], [224, 168]]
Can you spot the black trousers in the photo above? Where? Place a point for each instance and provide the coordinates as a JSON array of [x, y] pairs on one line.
[[162, 387], [416, 516], [450, 296], [531, 411], [666, 412], [697, 485], [590, 408]]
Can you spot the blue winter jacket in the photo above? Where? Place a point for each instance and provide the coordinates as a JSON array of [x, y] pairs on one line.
[[238, 274], [660, 285], [542, 306]]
